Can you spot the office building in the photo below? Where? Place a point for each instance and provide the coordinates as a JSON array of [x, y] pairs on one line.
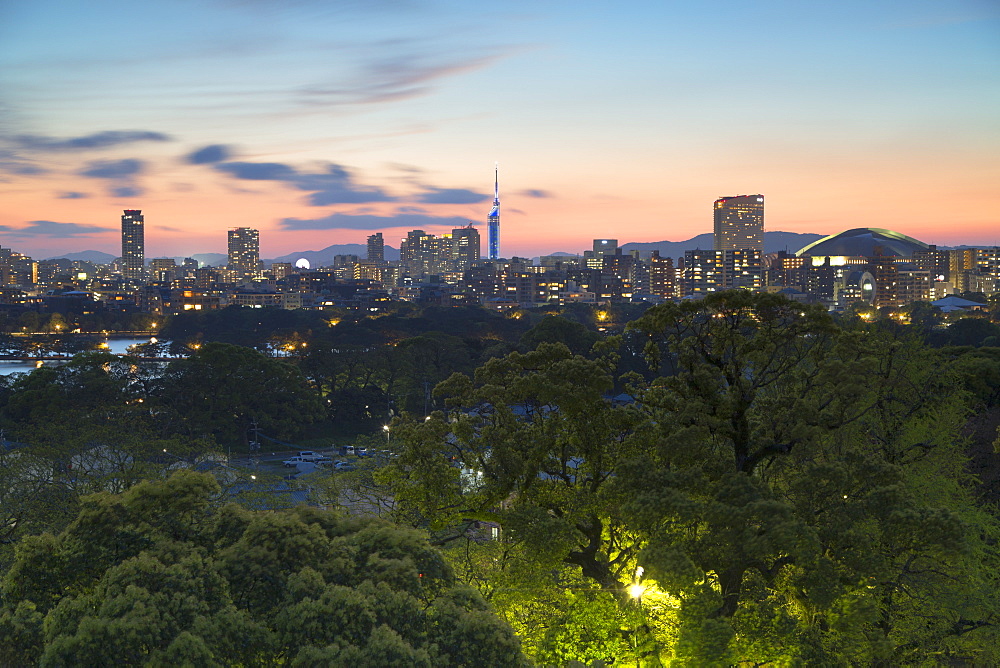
[[133, 245], [244, 251], [376, 248], [704, 272], [662, 276], [163, 269], [739, 223], [466, 247], [743, 269], [493, 221]]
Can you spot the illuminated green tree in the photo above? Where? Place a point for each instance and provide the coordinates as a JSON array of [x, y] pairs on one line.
[[806, 500], [528, 448]]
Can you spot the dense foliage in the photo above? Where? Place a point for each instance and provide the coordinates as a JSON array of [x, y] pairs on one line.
[[739, 480], [165, 575], [781, 490]]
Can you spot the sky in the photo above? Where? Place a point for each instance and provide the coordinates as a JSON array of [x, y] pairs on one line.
[[319, 122]]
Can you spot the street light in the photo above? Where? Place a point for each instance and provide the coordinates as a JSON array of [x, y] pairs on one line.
[[385, 428], [636, 590]]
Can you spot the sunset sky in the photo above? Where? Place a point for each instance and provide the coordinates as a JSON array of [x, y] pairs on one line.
[[319, 122]]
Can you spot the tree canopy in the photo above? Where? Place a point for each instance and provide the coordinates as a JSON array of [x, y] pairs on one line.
[[166, 575], [781, 490]]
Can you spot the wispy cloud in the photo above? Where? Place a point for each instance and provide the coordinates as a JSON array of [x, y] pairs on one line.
[[334, 186], [345, 221], [51, 228], [97, 140], [72, 195], [112, 169], [258, 171], [450, 196], [405, 74], [12, 163], [532, 192], [126, 191], [209, 154], [120, 173]]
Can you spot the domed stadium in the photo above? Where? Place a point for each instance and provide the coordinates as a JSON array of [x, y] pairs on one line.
[[862, 242]]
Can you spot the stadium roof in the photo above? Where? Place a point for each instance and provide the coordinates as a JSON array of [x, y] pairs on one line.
[[861, 242]]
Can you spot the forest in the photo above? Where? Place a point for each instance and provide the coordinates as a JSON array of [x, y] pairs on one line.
[[739, 480]]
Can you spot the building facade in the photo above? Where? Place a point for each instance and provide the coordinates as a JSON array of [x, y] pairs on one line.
[[466, 247], [244, 251], [739, 223], [376, 248], [133, 245]]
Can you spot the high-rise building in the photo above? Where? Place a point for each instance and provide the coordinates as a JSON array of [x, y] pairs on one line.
[[163, 269], [133, 245], [419, 253], [662, 276], [466, 247], [244, 251], [604, 247], [493, 221], [743, 269], [704, 272], [739, 223], [376, 248]]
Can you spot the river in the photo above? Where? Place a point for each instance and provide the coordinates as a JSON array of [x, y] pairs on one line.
[[115, 345]]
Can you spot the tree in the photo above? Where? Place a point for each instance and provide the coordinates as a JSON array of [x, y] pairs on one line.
[[223, 390], [528, 447], [806, 500], [969, 331], [164, 575], [782, 490], [556, 329]]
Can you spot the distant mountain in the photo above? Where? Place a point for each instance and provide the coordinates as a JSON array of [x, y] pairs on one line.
[[324, 258], [96, 257], [208, 259], [773, 242]]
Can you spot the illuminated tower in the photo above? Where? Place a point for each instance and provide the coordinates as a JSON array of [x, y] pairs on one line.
[[244, 251], [739, 223], [493, 221], [133, 245]]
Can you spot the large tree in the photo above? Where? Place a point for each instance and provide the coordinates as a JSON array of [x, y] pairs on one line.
[[166, 575], [782, 490], [528, 448], [806, 500], [222, 390]]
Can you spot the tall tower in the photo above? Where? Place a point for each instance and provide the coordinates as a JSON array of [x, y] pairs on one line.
[[133, 245], [493, 221], [244, 251], [376, 248], [739, 223]]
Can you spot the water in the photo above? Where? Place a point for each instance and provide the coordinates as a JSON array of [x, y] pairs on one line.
[[117, 346]]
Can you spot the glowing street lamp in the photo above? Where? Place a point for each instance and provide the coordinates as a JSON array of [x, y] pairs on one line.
[[385, 428], [636, 589]]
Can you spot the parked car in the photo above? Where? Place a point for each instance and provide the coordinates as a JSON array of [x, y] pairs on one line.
[[318, 460], [341, 465]]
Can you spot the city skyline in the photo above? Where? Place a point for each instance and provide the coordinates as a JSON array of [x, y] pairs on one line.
[[321, 125]]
